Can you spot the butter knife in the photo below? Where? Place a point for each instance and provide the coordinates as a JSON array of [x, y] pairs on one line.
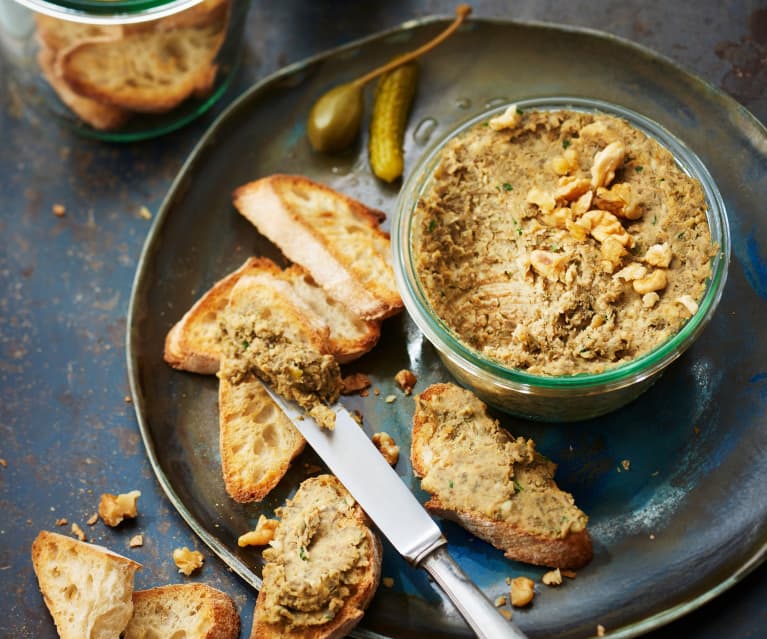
[[400, 517]]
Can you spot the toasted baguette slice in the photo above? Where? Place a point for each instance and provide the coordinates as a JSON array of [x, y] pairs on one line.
[[191, 611], [87, 588], [58, 35], [103, 117], [193, 343], [151, 71], [497, 487], [334, 237], [323, 543], [257, 441]]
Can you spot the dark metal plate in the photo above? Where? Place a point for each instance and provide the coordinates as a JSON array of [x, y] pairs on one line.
[[681, 520]]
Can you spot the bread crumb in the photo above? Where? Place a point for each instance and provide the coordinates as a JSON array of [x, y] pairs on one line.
[[262, 535], [552, 578], [127, 399], [357, 416], [626, 464], [92, 519], [187, 560], [652, 537], [388, 582], [522, 591], [59, 210], [500, 601], [390, 399], [312, 469], [570, 574], [600, 630], [387, 447], [506, 613], [3, 463], [354, 383], [136, 541], [62, 521], [114, 508], [376, 391], [406, 380], [145, 213], [364, 393], [78, 532]]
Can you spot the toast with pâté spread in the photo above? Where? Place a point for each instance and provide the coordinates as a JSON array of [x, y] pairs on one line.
[[337, 239], [322, 567], [496, 486]]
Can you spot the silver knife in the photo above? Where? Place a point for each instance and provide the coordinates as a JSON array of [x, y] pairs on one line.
[[355, 460]]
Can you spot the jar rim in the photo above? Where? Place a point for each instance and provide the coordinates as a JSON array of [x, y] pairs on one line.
[[117, 12]]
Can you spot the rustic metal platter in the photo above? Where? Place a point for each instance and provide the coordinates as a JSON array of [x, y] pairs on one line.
[[673, 483]]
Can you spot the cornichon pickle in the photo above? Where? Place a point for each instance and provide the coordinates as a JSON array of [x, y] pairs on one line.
[[393, 98]]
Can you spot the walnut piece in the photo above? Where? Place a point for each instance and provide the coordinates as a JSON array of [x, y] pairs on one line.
[[571, 188], [541, 199], [262, 535], [548, 263], [565, 163], [522, 591], [78, 532], [406, 380], [655, 281], [606, 162], [509, 119], [136, 541], [618, 200], [187, 560], [634, 271], [658, 255], [114, 508], [387, 447], [552, 578], [650, 299], [690, 304]]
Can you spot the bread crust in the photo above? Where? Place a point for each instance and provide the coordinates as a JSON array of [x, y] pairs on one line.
[[337, 239], [353, 608], [570, 552], [200, 612]]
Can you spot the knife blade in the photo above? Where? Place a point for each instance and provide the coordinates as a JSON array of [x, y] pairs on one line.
[[400, 517]]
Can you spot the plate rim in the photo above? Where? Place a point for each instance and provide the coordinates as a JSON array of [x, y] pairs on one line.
[[633, 629]]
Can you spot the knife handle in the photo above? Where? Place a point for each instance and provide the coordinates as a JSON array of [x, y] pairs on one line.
[[481, 615]]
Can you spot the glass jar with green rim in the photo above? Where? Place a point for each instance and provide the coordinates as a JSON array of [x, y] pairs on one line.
[[122, 70]]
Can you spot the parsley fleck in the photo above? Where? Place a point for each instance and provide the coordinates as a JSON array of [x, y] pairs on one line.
[[245, 344], [507, 187], [486, 123], [565, 143], [432, 225], [639, 169], [663, 179], [518, 486], [450, 483], [507, 274], [519, 231], [520, 111], [302, 553], [554, 248], [680, 236], [654, 220]]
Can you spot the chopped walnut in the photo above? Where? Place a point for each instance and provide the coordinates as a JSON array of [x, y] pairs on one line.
[[187, 560], [650, 299], [571, 188], [387, 446], [544, 201], [565, 163], [552, 578], [611, 251], [406, 380], [606, 162], [91, 521], [658, 255], [500, 601], [603, 224], [690, 304], [656, 281], [634, 271], [558, 218], [509, 119], [63, 521], [570, 574], [354, 383], [136, 541], [583, 203], [262, 535], [600, 630], [388, 582], [114, 508], [618, 200], [59, 210], [506, 613], [548, 263], [522, 591], [78, 532], [594, 130]]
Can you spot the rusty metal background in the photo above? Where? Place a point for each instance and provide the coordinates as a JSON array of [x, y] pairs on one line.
[[67, 433]]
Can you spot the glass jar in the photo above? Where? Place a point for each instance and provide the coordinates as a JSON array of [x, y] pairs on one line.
[[122, 70]]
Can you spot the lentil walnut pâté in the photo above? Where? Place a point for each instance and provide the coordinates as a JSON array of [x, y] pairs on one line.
[[561, 242]]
